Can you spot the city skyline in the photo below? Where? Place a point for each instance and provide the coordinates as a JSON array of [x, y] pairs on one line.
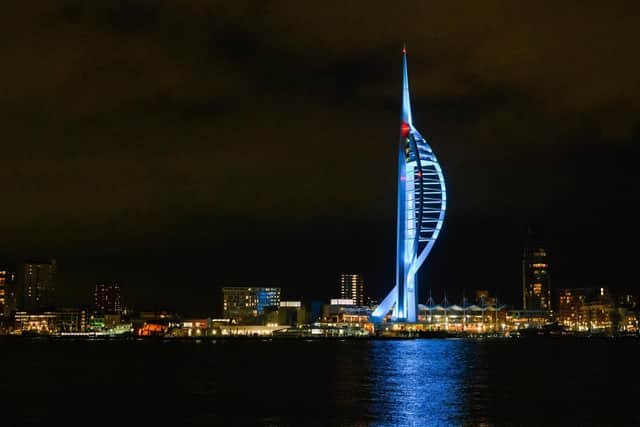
[[238, 213], [119, 161]]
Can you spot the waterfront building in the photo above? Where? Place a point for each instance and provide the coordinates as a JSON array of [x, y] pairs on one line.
[[140, 318], [345, 313], [36, 285], [536, 280], [268, 300], [327, 330], [629, 323], [455, 318], [570, 303], [162, 316], [315, 310], [627, 300], [101, 322], [352, 287], [527, 319], [291, 313], [71, 320], [190, 328], [38, 323], [599, 316], [341, 301], [107, 298], [250, 304], [149, 329], [247, 330], [588, 310], [420, 212]]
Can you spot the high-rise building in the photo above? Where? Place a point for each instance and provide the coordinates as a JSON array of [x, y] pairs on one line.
[[247, 304], [7, 290], [352, 287], [107, 298], [536, 282], [36, 285], [420, 212]]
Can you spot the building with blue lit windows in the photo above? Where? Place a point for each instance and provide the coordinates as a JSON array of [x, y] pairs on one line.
[[249, 304]]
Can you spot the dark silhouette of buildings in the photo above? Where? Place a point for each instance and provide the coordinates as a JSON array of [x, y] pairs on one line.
[[36, 285], [7, 290], [107, 298]]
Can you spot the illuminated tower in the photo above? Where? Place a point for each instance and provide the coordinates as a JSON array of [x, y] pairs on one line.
[[536, 283], [421, 207]]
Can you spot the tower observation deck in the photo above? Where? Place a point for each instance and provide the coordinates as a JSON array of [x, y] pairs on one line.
[[421, 208]]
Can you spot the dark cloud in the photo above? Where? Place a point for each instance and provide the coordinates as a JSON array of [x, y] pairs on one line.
[[204, 130]]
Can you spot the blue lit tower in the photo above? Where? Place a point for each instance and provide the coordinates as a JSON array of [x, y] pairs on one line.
[[421, 206]]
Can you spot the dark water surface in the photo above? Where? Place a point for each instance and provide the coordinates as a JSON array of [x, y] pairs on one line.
[[320, 383]]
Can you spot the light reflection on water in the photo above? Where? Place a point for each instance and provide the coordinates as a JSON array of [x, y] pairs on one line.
[[420, 382], [321, 383]]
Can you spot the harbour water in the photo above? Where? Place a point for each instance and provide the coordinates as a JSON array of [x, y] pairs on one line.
[[423, 382]]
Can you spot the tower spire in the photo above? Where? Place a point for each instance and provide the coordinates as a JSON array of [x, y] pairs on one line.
[[406, 100]]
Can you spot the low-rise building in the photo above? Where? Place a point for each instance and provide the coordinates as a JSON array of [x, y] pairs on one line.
[[291, 313], [339, 312], [586, 310], [41, 323], [250, 305], [71, 320]]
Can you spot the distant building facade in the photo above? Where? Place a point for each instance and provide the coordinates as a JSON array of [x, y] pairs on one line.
[[483, 298], [7, 290], [36, 285], [352, 287], [291, 313], [71, 320], [588, 310], [107, 298], [570, 304], [249, 304], [41, 323], [536, 277], [339, 311]]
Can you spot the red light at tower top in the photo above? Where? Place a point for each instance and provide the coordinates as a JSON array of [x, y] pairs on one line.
[[405, 129]]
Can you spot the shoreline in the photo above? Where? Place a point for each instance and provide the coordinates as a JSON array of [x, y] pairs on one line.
[[132, 338]]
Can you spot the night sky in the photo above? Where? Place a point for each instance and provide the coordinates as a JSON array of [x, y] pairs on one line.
[[177, 147]]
